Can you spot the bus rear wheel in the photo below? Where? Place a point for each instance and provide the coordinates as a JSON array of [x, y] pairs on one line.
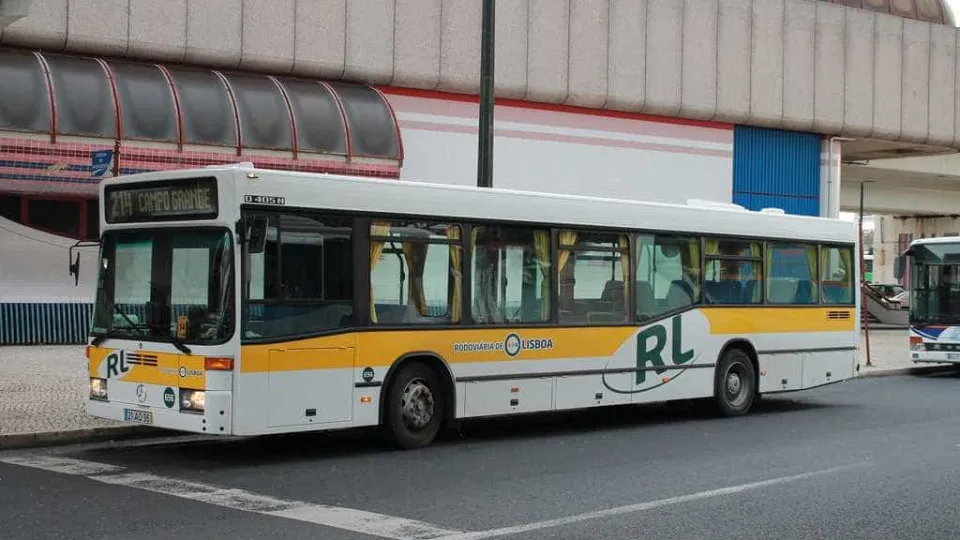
[[415, 407], [736, 384]]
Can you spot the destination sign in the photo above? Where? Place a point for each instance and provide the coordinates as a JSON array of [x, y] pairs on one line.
[[188, 199]]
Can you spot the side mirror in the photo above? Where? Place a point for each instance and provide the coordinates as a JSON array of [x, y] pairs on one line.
[[256, 234], [73, 263], [74, 268], [899, 267]]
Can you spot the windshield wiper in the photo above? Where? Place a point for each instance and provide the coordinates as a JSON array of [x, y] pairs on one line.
[[179, 345]]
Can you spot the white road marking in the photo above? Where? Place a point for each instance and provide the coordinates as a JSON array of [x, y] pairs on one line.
[[650, 505], [62, 465], [359, 521]]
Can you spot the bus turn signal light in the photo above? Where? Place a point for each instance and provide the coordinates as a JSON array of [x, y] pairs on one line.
[[218, 363], [916, 343]]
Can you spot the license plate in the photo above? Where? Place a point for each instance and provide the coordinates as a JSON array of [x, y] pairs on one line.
[[137, 416]]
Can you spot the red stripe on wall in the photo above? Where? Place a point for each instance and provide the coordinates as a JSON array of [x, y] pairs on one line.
[[558, 137], [551, 108]]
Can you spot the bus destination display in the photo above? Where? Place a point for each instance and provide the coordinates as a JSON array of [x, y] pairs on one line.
[[194, 199]]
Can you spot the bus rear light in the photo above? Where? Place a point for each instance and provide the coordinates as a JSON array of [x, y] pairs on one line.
[[218, 363]]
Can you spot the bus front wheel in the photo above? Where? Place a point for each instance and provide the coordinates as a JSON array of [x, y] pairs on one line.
[[736, 386], [415, 406]]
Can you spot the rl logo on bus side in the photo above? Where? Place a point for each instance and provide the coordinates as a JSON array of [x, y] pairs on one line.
[[650, 344]]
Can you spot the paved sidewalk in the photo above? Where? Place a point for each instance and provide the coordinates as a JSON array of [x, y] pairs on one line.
[[42, 390]]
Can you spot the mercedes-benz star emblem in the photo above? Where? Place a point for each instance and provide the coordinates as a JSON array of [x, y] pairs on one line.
[[141, 393]]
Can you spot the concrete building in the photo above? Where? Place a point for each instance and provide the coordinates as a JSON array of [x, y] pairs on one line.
[[757, 102]]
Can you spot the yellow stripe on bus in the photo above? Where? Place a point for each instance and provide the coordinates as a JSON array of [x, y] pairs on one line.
[[779, 320], [383, 348]]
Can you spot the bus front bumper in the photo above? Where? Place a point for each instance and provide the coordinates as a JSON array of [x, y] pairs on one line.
[[935, 357], [214, 420]]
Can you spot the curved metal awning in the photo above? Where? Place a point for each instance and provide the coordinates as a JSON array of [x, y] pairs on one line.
[[140, 104]]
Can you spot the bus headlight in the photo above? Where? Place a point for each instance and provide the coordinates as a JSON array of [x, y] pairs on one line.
[[192, 400], [98, 389]]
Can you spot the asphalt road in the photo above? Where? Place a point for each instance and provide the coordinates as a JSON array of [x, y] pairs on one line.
[[871, 458]]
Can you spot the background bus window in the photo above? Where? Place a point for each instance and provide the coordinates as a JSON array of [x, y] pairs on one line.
[[592, 276], [302, 283], [836, 274], [733, 271], [667, 274], [511, 275], [415, 273], [791, 273]]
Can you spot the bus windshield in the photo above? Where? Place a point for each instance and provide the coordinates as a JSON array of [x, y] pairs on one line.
[[936, 293], [173, 285]]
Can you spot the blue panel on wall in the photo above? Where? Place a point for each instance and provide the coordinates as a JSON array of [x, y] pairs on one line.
[[776, 168]]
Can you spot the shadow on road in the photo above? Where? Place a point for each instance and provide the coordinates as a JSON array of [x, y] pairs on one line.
[[223, 453]]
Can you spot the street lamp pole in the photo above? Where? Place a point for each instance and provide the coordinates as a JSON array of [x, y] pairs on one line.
[[485, 148]]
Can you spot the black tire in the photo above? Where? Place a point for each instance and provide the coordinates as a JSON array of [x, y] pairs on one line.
[[735, 389], [408, 427]]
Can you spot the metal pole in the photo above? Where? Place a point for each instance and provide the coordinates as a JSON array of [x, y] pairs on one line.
[[865, 317], [485, 148]]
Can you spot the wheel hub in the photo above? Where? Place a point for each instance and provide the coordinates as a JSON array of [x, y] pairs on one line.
[[734, 383], [416, 404]]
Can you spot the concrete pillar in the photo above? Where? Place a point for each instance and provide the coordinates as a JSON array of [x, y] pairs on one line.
[[830, 178], [12, 11]]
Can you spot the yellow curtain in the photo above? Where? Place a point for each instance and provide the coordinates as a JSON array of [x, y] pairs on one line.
[[567, 238], [846, 259], [377, 228], [416, 257], [623, 242], [693, 251], [456, 258], [541, 246], [712, 246], [811, 254]]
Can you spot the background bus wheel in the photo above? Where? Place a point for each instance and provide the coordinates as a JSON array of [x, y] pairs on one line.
[[736, 385], [415, 408]]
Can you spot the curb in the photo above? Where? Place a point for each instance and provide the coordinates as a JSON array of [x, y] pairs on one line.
[[77, 436], [912, 370]]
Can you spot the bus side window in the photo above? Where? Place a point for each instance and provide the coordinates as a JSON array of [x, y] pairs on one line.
[[511, 275], [667, 274], [415, 273], [836, 275]]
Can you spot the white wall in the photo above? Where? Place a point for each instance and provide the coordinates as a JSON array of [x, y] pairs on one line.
[[33, 267], [560, 151]]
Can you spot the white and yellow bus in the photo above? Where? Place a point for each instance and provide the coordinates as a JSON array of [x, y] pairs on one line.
[[240, 301]]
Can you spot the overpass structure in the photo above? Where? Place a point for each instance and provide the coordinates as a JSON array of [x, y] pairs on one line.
[[765, 103]]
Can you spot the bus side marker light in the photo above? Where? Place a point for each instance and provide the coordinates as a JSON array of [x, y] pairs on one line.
[[763, 373], [216, 363], [665, 379], [366, 399], [514, 389]]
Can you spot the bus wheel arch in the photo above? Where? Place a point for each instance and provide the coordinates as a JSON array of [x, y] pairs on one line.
[[427, 369], [738, 363]]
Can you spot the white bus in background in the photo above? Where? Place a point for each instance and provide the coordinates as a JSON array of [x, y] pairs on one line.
[[931, 267], [241, 301]]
